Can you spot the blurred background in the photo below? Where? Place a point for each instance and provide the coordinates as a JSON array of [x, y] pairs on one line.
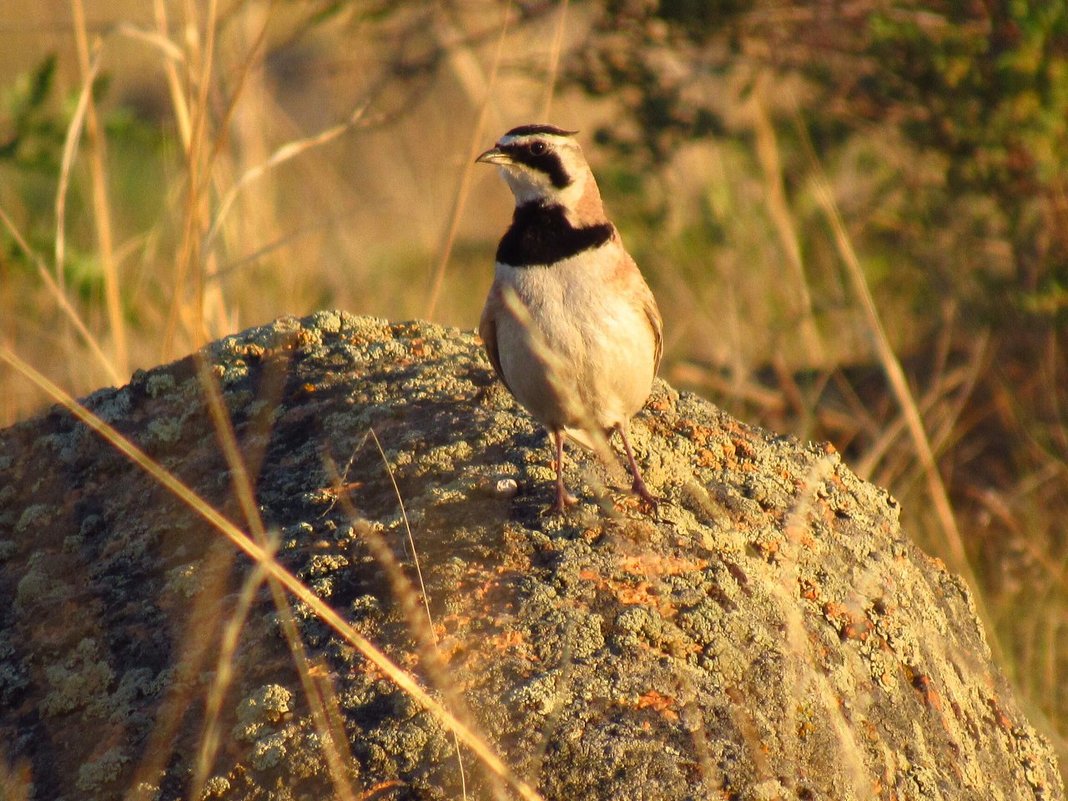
[[853, 214]]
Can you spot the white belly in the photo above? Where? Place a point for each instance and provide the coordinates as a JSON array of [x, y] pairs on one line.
[[600, 346]]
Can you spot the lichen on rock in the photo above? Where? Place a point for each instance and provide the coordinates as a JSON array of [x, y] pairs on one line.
[[770, 633]]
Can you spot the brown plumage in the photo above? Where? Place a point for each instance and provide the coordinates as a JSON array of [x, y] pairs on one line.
[[570, 325]]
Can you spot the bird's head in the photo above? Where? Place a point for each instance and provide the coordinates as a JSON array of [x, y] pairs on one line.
[[542, 164]]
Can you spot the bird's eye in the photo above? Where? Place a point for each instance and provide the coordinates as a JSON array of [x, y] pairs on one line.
[[537, 148]]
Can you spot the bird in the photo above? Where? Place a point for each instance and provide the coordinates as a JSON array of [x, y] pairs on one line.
[[570, 325]]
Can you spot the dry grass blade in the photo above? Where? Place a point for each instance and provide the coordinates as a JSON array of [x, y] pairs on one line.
[[224, 673], [407, 529], [174, 83], [61, 299], [283, 154], [197, 626], [892, 367], [896, 378], [462, 191], [767, 149], [554, 61], [16, 782], [169, 50], [199, 67], [798, 642], [101, 205], [952, 541], [319, 692], [291, 583], [403, 592], [70, 149]]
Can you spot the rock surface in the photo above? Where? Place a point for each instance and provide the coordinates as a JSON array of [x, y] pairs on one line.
[[771, 634]]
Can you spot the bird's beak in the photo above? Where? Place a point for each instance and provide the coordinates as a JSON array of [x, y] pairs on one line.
[[494, 156]]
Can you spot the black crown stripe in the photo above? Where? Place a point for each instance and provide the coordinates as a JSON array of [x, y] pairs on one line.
[[530, 130]]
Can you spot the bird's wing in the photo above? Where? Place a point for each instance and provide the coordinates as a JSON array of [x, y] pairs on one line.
[[656, 323], [487, 329], [643, 295]]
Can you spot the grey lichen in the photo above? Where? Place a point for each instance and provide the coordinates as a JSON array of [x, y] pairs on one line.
[[107, 768], [265, 707], [770, 633], [80, 680]]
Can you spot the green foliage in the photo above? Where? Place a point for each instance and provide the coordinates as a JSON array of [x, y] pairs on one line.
[[990, 91], [984, 86], [34, 124], [31, 133]]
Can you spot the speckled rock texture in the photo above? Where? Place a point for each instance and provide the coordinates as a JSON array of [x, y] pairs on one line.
[[770, 634]]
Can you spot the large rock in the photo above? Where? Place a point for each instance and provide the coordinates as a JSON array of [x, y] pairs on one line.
[[772, 634]]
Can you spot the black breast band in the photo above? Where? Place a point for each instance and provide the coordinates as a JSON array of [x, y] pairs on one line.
[[543, 235]]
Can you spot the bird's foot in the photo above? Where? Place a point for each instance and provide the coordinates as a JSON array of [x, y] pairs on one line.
[[564, 500], [642, 491]]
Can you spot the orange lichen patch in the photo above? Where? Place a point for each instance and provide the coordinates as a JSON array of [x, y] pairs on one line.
[[835, 481], [378, 789], [342, 489], [304, 338], [743, 448], [640, 594], [664, 704], [652, 564], [922, 682], [659, 404], [631, 593], [478, 582], [706, 458], [628, 502], [448, 647], [808, 590], [767, 548], [804, 537], [490, 646], [1000, 718], [504, 640], [849, 624], [859, 630], [702, 436]]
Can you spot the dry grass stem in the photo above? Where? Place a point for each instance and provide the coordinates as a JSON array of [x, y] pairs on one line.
[[422, 630], [16, 781], [61, 300], [892, 368], [289, 150], [554, 60], [101, 206], [179, 104], [318, 690], [224, 674], [463, 190], [767, 149], [422, 592], [70, 150]]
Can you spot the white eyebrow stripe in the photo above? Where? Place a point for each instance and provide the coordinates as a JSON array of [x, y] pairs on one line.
[[507, 139]]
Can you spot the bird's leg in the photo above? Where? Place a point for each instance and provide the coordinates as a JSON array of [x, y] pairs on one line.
[[564, 498], [638, 487]]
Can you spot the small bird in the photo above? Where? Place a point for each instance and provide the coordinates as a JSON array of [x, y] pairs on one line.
[[570, 326]]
